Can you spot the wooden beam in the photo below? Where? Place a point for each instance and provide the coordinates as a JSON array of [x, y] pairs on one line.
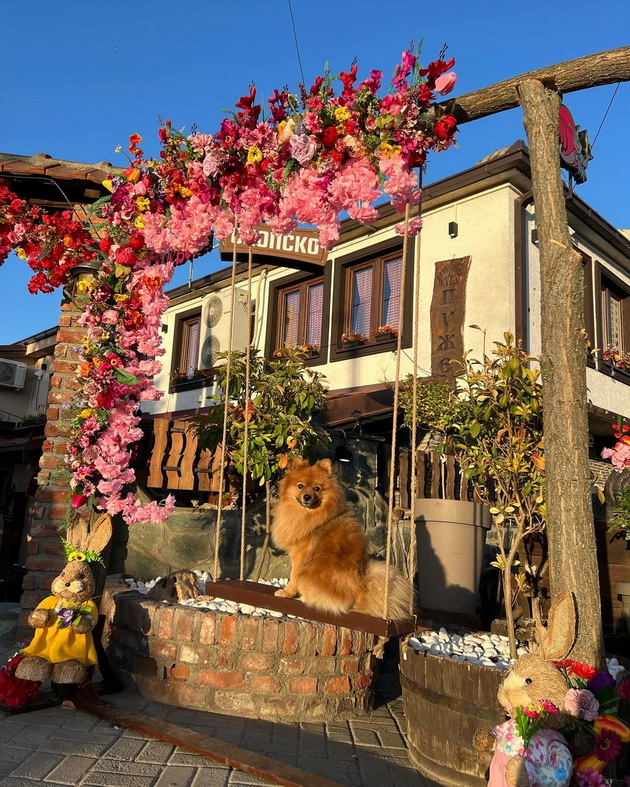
[[602, 68], [259, 595], [219, 751]]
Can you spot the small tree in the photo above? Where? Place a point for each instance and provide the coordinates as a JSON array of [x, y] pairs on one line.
[[498, 439], [284, 396], [491, 418]]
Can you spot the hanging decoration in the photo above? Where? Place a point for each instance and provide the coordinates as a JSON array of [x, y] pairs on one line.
[[317, 155]]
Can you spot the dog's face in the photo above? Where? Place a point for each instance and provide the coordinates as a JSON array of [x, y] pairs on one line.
[[308, 485]]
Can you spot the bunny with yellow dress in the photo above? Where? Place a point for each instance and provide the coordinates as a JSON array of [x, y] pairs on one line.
[[62, 648]]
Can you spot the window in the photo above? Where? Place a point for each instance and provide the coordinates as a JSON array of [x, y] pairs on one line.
[[373, 296], [301, 310], [186, 354], [615, 316]]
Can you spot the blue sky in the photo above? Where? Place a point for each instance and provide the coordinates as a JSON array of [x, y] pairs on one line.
[[78, 76]]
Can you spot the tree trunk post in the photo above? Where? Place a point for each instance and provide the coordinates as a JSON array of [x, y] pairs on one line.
[[570, 526]]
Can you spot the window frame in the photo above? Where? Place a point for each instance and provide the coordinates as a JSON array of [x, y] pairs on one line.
[[182, 323], [303, 289], [376, 257], [275, 321], [606, 281]]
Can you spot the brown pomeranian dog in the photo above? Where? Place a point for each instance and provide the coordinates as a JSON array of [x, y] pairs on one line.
[[330, 568]]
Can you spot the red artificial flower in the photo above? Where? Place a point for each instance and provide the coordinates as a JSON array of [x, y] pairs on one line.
[[16, 691], [607, 746], [329, 136], [105, 244], [446, 127], [134, 141], [16, 205], [581, 670], [125, 256], [624, 690], [78, 500], [136, 241]]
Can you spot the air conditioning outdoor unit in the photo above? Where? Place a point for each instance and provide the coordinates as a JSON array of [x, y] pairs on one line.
[[12, 373], [215, 325]]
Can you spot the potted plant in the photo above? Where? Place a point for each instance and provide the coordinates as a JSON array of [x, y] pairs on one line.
[[616, 359], [498, 438], [385, 333], [349, 340], [450, 534]]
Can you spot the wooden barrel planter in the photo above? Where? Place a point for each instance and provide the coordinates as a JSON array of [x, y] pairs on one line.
[[445, 701]]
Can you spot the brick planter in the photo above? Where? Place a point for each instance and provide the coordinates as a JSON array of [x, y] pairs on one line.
[[263, 668]]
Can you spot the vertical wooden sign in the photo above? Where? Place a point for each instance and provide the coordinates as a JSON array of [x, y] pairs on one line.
[[448, 310]]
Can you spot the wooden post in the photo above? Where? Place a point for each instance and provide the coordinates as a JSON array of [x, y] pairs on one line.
[[570, 527]]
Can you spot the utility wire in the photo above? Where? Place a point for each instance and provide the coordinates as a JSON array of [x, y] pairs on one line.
[[297, 46], [605, 115]]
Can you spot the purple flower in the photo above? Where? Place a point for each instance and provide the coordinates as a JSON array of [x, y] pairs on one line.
[[582, 704], [67, 617], [591, 778], [600, 681], [302, 147]]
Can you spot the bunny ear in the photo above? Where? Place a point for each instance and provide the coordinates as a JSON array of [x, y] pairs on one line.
[[77, 534], [561, 628], [100, 534]]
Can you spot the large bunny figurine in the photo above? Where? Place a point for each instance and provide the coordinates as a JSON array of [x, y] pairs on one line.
[[62, 647], [535, 682]]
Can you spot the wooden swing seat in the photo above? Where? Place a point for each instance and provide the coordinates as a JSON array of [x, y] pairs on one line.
[[257, 594]]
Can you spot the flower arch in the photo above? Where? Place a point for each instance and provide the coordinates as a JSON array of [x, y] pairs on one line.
[[318, 154]]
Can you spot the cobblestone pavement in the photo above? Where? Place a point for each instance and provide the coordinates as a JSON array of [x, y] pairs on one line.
[[65, 747]]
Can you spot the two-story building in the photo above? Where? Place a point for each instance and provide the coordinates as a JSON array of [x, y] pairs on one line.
[[478, 266]]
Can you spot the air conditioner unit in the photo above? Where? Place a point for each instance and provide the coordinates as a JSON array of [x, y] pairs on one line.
[[12, 373], [215, 325]]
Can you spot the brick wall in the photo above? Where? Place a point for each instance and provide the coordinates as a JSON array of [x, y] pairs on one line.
[[45, 552], [268, 668]]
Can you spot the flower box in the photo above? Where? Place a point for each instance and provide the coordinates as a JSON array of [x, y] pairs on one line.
[[348, 344], [389, 336]]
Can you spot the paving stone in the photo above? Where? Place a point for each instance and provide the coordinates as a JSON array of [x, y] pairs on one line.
[[71, 770], [37, 766], [230, 735], [211, 777], [19, 781], [101, 779], [182, 757], [365, 737], [156, 751], [30, 737], [204, 730], [392, 740], [76, 747], [312, 746], [176, 776], [125, 749], [128, 768], [238, 778], [338, 750], [82, 722], [9, 729], [12, 754]]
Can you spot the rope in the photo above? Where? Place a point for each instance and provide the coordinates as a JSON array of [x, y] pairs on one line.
[[297, 46], [392, 464], [414, 409], [228, 371], [248, 356], [605, 114]]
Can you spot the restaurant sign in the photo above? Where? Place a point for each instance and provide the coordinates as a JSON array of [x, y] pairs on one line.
[[299, 246]]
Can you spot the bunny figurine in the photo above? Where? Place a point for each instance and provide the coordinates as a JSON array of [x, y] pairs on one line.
[[62, 648], [535, 683]]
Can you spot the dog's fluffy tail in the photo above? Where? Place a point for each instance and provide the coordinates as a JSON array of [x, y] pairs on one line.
[[373, 600]]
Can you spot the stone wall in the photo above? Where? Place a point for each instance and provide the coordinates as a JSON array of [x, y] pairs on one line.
[[186, 540], [270, 668], [45, 555]]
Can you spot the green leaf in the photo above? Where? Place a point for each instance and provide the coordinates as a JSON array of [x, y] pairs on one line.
[[475, 428], [125, 378]]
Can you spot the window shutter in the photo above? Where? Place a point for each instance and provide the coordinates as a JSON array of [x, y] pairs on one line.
[[291, 317], [361, 301], [314, 314], [391, 292]]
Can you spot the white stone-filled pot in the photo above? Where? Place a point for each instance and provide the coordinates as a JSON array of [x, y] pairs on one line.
[[450, 541]]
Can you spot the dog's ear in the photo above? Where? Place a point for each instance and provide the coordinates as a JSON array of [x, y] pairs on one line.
[[325, 465], [297, 463]]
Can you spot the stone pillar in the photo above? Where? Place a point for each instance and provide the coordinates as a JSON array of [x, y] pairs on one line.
[[45, 554]]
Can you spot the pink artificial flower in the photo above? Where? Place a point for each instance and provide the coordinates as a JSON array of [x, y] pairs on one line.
[[445, 83], [582, 704], [302, 147], [414, 226], [110, 317], [591, 778], [624, 690]]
